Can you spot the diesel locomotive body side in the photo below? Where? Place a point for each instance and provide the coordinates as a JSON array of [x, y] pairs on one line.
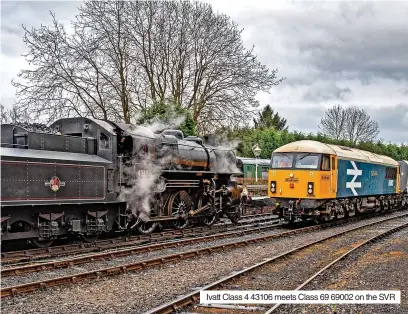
[[309, 179], [358, 178]]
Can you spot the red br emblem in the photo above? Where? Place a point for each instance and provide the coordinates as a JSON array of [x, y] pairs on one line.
[[55, 184]]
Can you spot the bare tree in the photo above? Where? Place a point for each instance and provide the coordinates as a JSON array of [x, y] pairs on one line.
[[4, 115], [84, 74], [352, 124], [359, 126], [333, 123], [13, 115], [57, 86], [124, 56]]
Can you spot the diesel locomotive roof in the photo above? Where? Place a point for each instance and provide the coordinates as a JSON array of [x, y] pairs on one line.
[[307, 146]]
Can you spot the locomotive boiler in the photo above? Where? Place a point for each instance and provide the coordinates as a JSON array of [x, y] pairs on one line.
[[84, 177]]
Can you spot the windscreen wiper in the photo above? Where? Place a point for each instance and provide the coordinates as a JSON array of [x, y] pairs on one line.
[[286, 155], [308, 154]]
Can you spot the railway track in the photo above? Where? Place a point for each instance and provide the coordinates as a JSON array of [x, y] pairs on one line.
[[28, 287], [14, 257], [368, 233], [42, 266], [371, 240]]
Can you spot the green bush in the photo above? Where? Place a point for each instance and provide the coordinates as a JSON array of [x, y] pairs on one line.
[[167, 114], [269, 140]]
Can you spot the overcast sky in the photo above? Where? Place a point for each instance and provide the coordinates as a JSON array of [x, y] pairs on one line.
[[350, 53]]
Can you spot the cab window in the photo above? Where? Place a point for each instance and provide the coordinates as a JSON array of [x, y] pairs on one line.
[[103, 141], [390, 173], [326, 163], [333, 166], [307, 161], [281, 161], [142, 150]]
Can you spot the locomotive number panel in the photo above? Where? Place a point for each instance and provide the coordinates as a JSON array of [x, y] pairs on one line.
[[29, 181]]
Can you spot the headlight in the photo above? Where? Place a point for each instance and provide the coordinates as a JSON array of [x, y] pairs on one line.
[[310, 187], [273, 186]]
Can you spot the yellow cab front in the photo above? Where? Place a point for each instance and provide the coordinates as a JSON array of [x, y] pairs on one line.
[[301, 175]]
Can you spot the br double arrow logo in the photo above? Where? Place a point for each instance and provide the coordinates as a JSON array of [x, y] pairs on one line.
[[354, 172]]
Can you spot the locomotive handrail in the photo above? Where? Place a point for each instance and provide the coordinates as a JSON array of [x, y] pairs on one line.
[[160, 140], [8, 145], [174, 180], [189, 171], [181, 186], [257, 186]]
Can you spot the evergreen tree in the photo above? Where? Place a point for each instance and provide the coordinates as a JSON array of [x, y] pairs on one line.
[[269, 119], [170, 115]]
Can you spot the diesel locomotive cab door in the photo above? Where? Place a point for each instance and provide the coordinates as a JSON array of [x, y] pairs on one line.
[[333, 176]]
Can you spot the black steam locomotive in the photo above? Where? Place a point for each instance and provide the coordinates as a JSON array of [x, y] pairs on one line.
[[84, 177]]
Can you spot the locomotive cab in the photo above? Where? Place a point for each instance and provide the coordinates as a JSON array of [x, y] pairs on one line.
[[301, 177]]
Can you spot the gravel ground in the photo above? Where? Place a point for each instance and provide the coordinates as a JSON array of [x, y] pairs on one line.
[[226, 226], [120, 246], [382, 266], [139, 291], [221, 225], [81, 268], [288, 274]]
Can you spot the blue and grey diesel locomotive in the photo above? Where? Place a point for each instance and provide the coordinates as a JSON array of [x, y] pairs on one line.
[[309, 179], [83, 177]]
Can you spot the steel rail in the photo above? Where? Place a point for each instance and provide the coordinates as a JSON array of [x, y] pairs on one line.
[[63, 250], [139, 242], [140, 265], [20, 270], [42, 266], [194, 296]]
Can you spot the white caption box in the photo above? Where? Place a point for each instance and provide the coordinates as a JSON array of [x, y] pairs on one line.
[[300, 297]]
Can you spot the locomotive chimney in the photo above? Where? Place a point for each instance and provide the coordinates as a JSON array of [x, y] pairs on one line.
[[210, 139]]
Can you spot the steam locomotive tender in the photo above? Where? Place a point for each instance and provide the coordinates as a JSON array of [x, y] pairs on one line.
[[83, 176]]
